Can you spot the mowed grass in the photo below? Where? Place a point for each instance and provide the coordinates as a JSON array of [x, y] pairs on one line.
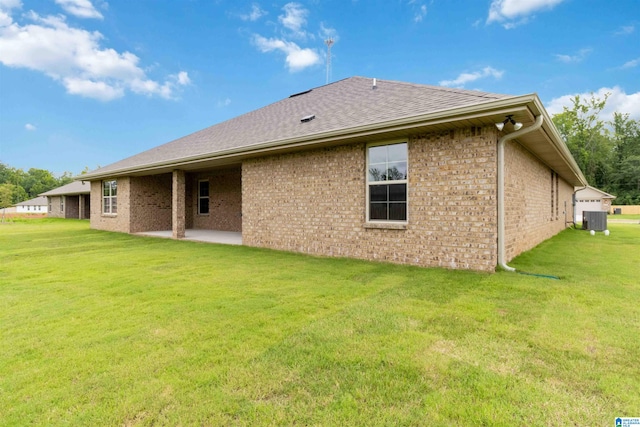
[[102, 328], [626, 216]]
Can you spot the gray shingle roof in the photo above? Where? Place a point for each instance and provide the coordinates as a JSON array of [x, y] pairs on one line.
[[38, 201], [75, 187], [346, 104]]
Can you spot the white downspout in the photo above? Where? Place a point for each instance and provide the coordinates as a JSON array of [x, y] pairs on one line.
[[501, 142]]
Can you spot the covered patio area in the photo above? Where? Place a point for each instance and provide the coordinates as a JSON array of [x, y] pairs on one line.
[[208, 236]]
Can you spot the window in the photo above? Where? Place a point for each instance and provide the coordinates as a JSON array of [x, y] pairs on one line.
[[387, 182], [203, 197], [49, 200], [61, 203], [110, 197]]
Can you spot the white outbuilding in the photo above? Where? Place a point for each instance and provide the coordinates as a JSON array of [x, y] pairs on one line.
[[33, 206], [590, 199]]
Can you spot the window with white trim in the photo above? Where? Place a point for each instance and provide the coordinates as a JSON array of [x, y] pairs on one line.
[[203, 197], [110, 197], [387, 182], [62, 203]]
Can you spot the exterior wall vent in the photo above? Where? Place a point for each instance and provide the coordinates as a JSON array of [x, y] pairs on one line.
[[300, 93]]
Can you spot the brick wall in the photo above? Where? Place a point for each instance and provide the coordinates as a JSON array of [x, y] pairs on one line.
[[55, 211], [534, 201], [119, 222], [86, 206], [144, 203], [314, 202], [225, 200], [150, 203], [72, 207]]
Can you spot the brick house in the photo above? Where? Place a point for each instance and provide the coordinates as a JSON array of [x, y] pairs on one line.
[[377, 170], [72, 200]]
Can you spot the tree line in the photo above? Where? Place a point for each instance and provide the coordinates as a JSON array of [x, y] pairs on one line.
[[607, 152], [16, 185]]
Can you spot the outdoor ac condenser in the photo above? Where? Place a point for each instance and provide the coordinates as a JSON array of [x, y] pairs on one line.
[[596, 221]]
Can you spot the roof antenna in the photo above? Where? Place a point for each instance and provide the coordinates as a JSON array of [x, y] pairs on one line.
[[329, 42]]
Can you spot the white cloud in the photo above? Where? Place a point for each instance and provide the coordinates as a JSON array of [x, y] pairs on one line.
[[420, 14], [182, 78], [465, 78], [255, 14], [631, 64], [294, 18], [625, 30], [328, 33], [5, 11], [74, 57], [30, 127], [293, 24], [618, 101], [80, 8], [92, 89], [10, 4], [578, 57], [224, 103], [297, 58], [511, 13]]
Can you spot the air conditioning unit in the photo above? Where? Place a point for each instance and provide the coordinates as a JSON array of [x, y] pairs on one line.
[[594, 220]]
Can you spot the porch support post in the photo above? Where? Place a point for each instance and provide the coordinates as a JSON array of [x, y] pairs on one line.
[[80, 206], [178, 204]]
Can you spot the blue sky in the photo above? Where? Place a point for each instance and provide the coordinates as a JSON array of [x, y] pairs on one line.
[[84, 83]]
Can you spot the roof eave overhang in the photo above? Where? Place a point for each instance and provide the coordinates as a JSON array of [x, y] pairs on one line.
[[486, 113], [571, 172]]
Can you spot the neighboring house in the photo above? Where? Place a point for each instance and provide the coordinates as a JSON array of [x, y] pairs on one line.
[[377, 170], [37, 205], [590, 199], [70, 201]]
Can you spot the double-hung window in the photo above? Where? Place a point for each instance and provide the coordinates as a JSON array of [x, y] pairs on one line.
[[387, 182], [203, 197], [62, 203], [110, 197]]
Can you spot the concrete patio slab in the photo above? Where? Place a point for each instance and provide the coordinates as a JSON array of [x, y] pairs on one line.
[[208, 236]]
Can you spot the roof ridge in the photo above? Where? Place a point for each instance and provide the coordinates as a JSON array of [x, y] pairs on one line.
[[444, 88]]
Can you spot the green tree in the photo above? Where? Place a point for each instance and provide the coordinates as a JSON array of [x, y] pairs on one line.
[[38, 181], [587, 137], [66, 178], [626, 166], [6, 195]]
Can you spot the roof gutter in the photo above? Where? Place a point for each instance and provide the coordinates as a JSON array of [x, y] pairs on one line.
[[501, 143]]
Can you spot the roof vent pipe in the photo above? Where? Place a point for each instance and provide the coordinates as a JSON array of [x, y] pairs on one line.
[[374, 84], [501, 142]]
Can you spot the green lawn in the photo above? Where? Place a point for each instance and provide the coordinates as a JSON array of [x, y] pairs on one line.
[[101, 328], [627, 216]]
